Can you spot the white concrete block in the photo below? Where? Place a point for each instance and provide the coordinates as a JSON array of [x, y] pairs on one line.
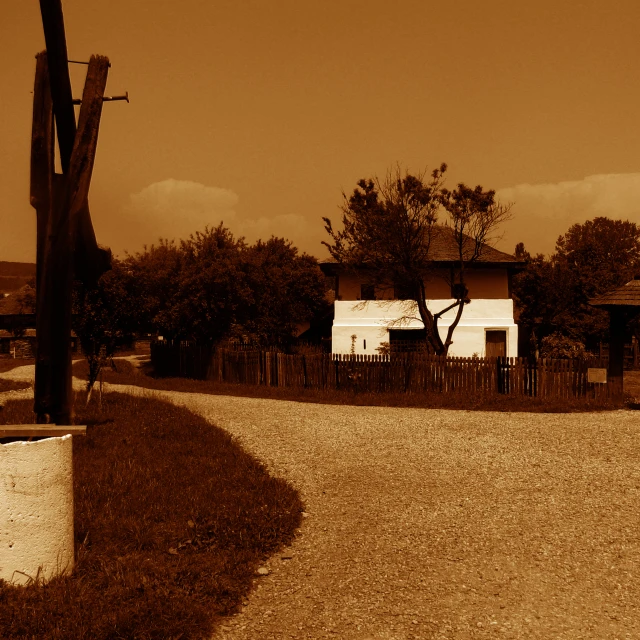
[[36, 509]]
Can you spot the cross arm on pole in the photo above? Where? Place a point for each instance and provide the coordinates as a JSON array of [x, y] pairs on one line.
[[90, 262]]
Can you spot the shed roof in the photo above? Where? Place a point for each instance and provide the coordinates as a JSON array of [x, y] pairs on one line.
[[628, 295]]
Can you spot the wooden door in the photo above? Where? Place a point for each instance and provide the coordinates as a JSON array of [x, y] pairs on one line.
[[496, 343]]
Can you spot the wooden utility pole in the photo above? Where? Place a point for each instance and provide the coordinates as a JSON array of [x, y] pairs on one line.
[[66, 243]]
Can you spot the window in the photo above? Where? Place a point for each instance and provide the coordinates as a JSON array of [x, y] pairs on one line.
[[407, 340], [404, 292], [367, 292]]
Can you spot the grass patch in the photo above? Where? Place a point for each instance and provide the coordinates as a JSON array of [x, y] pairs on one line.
[[172, 518], [127, 373], [6, 364]]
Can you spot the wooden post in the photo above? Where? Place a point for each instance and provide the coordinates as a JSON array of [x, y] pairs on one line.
[[53, 362], [617, 325], [90, 261], [42, 155], [42, 174]]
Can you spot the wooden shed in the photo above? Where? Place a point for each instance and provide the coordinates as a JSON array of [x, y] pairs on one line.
[[623, 305]]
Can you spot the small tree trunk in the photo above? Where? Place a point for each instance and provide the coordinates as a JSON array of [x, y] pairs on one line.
[[100, 400], [94, 370], [434, 343], [448, 342]]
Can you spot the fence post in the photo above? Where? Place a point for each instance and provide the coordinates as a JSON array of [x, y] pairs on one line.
[[304, 370]]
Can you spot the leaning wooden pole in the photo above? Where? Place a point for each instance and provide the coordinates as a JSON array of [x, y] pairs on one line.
[[42, 154], [55, 39], [89, 261], [70, 195], [66, 243], [42, 176]]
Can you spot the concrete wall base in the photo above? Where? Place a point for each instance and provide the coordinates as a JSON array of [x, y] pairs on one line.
[[36, 510]]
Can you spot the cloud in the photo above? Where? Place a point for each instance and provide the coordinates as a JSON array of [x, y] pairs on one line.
[[171, 209], [174, 209], [183, 203], [542, 212]]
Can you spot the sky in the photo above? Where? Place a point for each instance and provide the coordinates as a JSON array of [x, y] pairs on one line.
[[260, 114]]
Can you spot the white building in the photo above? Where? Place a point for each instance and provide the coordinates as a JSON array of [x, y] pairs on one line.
[[486, 326], [367, 316]]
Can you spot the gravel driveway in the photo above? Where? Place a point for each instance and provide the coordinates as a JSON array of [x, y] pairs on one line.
[[444, 524]]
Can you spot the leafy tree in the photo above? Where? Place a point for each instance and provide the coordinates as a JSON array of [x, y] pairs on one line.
[[388, 229], [105, 316], [553, 294], [536, 298], [474, 216], [287, 290], [215, 286], [155, 283], [213, 295], [595, 257]]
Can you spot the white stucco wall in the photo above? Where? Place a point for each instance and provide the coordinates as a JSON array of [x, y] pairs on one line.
[[370, 321], [36, 509]]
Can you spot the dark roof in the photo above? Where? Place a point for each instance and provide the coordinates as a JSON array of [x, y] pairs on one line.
[[444, 249], [628, 295]]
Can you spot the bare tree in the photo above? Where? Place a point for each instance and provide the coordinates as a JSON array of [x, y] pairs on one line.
[[474, 216], [388, 229]]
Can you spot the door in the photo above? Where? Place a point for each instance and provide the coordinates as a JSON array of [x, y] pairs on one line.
[[496, 343]]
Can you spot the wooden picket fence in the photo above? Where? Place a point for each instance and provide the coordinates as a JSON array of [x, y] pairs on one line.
[[404, 373]]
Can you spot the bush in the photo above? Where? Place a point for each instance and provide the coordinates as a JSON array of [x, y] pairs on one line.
[[557, 345]]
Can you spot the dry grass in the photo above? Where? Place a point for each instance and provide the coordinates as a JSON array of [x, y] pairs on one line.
[[172, 519], [6, 364]]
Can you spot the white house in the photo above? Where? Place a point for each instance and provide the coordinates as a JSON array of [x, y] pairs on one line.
[[367, 316]]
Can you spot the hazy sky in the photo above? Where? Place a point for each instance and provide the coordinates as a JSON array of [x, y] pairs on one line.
[[261, 113]]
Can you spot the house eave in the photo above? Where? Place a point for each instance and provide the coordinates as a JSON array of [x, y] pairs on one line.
[[331, 268]]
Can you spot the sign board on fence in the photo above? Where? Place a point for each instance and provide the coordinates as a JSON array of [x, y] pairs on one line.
[[597, 375]]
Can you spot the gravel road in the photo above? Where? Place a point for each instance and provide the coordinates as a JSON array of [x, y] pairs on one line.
[[443, 524]]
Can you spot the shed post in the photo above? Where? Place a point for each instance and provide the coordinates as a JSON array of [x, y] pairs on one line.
[[617, 325]]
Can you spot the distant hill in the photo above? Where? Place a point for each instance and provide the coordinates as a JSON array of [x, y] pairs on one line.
[[19, 269], [14, 275]]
